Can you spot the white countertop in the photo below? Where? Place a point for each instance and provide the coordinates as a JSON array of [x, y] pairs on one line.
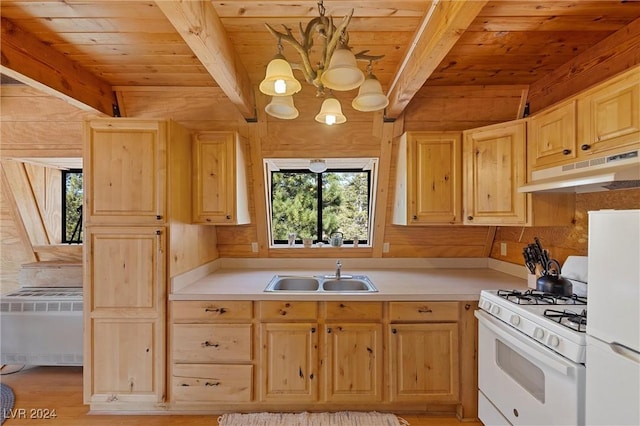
[[406, 284]]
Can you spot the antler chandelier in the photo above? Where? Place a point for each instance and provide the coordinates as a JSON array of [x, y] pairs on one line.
[[336, 69]]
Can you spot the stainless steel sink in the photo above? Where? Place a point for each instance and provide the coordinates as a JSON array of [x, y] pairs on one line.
[[321, 284], [290, 283]]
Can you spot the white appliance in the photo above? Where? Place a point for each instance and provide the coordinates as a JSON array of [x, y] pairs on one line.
[[593, 175], [531, 355], [41, 326], [613, 330]]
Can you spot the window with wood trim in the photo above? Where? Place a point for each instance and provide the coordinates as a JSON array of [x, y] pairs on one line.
[[72, 194]]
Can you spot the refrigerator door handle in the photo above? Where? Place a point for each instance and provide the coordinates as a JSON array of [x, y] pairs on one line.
[[625, 352]]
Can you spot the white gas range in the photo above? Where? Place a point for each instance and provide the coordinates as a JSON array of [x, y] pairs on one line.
[[531, 362]]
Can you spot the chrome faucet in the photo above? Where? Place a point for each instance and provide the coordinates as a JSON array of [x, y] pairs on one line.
[[338, 267]]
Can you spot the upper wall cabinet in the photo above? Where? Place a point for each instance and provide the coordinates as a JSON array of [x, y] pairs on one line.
[[601, 121], [552, 136], [495, 166], [609, 115], [125, 171], [219, 179], [428, 179]]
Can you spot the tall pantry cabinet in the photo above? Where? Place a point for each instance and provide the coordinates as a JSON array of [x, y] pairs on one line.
[[126, 179]]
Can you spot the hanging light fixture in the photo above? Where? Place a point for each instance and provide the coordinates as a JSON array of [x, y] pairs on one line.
[[279, 79], [331, 112], [282, 107], [317, 165], [370, 96], [337, 69]]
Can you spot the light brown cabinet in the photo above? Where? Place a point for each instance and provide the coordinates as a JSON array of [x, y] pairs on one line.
[[495, 166], [552, 137], [609, 116], [125, 172], [211, 351], [424, 351], [219, 179], [428, 179], [125, 247], [353, 351], [494, 160]]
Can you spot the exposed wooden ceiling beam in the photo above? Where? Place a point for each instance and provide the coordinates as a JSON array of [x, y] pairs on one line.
[[443, 24], [28, 60], [199, 25]]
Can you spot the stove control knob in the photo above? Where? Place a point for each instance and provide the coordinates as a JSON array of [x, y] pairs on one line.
[[538, 333], [487, 305], [515, 319], [554, 341], [495, 310]]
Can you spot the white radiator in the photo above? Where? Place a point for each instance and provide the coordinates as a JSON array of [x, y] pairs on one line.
[[41, 326]]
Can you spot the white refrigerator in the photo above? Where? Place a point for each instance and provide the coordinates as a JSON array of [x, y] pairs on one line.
[[613, 318]]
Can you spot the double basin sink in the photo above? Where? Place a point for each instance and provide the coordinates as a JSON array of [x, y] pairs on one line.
[[321, 283]]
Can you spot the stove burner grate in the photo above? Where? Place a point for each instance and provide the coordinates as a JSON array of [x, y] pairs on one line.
[[535, 297], [573, 320]]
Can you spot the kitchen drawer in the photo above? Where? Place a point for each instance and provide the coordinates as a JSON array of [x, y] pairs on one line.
[[288, 311], [212, 342], [353, 311], [423, 311], [211, 311], [207, 382]]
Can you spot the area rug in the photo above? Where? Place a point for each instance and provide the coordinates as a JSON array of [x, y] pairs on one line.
[[341, 418], [6, 402]]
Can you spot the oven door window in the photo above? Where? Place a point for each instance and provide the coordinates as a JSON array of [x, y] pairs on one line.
[[525, 373]]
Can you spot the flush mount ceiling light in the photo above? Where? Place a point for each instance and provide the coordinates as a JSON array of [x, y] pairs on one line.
[[336, 68], [317, 165]]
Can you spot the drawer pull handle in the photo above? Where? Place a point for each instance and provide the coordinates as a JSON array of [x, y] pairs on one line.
[[218, 310], [208, 344], [184, 384], [212, 384], [313, 329], [424, 311]]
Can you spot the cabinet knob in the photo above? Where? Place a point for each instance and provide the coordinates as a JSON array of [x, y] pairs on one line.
[[585, 147], [158, 217], [469, 217], [328, 329], [415, 217], [394, 331], [566, 151], [228, 217]]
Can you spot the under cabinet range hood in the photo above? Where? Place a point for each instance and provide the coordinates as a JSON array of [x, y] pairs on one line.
[[606, 173]]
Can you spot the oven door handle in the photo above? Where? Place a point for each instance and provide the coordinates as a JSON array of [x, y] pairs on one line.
[[523, 343]]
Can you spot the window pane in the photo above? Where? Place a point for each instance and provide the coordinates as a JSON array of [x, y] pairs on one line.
[[294, 198], [72, 209], [345, 201]]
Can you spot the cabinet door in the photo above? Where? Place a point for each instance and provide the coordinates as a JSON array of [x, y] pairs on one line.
[[125, 172], [126, 362], [428, 182], [552, 136], [289, 362], [610, 116], [495, 161], [219, 185], [354, 362], [126, 270], [424, 362]]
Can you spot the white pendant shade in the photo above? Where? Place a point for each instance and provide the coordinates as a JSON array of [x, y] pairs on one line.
[[279, 79], [282, 107], [343, 72], [370, 96], [331, 112]]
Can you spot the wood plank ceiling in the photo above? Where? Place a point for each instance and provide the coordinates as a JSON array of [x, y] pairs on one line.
[[83, 49]]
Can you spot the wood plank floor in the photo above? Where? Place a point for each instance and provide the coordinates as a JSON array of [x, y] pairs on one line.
[[60, 389]]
